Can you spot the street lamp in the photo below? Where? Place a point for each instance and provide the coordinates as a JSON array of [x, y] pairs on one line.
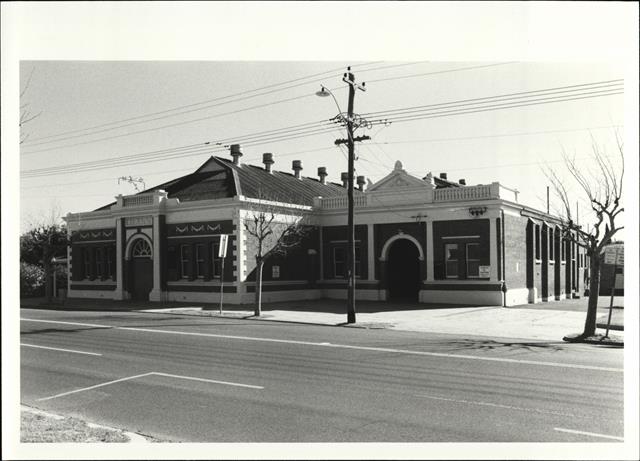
[[351, 250]]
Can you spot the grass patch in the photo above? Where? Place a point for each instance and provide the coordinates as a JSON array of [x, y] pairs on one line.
[[38, 428]]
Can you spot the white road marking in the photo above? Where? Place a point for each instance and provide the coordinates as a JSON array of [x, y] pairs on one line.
[[59, 349], [67, 323], [592, 434], [94, 387], [250, 386], [497, 405], [346, 346], [129, 378]]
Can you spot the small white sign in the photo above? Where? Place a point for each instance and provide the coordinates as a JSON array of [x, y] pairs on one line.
[[620, 258], [484, 272], [275, 272], [222, 249]]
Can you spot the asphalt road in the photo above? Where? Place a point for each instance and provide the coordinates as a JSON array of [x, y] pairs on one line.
[[197, 379]]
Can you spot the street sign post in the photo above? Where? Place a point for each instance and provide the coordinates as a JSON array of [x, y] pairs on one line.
[[222, 252]]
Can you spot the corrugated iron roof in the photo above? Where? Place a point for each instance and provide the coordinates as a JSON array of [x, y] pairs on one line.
[[221, 178]]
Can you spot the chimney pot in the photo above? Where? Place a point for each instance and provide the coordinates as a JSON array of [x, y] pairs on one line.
[[443, 176], [344, 177], [267, 159], [463, 182], [296, 165], [361, 182], [322, 173], [236, 153]]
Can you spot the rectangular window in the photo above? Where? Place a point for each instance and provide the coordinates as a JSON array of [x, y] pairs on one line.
[[200, 268], [552, 239], [451, 258], [216, 263], [110, 264], [563, 250], [358, 268], [87, 262], [185, 256], [339, 262], [99, 259], [537, 236], [473, 260]]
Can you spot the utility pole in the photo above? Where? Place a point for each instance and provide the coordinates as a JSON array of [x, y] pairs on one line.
[[351, 269], [350, 80]]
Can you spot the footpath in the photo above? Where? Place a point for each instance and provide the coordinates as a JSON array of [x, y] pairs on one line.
[[545, 321]]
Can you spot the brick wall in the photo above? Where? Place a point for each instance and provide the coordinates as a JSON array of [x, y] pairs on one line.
[[515, 251]]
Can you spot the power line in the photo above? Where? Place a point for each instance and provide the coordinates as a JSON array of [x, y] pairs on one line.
[[520, 94], [32, 143], [465, 111], [201, 102], [282, 135], [167, 114], [446, 71]]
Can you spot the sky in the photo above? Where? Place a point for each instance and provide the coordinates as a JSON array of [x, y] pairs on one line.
[[95, 111]]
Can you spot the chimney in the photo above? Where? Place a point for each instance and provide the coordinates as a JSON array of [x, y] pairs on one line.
[[322, 174], [267, 159], [361, 182], [236, 153], [344, 177], [443, 176], [296, 165], [463, 182]]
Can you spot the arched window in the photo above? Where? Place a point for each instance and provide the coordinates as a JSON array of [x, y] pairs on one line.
[[141, 249]]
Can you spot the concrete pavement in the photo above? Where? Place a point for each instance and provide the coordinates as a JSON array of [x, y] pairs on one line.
[[544, 321]]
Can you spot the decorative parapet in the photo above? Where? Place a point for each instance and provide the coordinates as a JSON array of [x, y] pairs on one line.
[[154, 198], [342, 201], [421, 196]]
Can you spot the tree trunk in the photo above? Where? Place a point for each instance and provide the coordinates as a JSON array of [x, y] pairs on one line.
[[258, 302], [48, 282], [594, 292]]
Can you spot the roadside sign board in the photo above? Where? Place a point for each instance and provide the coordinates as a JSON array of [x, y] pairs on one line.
[[222, 249], [484, 272], [614, 255]]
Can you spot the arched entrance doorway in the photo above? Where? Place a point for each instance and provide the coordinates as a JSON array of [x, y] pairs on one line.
[[140, 270], [403, 271]]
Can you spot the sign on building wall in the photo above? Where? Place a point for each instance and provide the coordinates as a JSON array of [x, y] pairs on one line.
[[275, 272], [222, 249], [484, 272]]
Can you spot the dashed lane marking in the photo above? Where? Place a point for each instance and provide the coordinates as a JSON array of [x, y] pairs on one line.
[[346, 346], [496, 405], [151, 373], [60, 349], [590, 434]]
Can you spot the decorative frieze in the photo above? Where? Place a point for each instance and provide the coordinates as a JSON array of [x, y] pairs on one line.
[[200, 228], [93, 235], [138, 221]]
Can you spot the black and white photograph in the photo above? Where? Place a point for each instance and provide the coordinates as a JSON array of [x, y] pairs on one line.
[[319, 230]]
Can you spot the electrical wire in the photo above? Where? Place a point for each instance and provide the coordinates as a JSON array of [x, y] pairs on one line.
[[280, 135]]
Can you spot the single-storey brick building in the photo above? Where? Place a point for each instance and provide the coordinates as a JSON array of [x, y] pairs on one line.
[[428, 240]]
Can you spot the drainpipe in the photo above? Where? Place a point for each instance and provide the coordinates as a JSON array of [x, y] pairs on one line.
[[503, 262]]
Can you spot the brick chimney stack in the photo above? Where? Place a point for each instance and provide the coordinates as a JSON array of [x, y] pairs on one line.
[[443, 176], [344, 177], [361, 182], [236, 153], [267, 159], [296, 165], [322, 174], [463, 182]]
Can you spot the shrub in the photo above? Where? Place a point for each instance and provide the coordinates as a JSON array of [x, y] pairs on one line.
[[31, 280]]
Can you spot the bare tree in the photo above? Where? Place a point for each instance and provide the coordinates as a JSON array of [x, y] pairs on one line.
[[273, 230], [602, 188], [26, 115]]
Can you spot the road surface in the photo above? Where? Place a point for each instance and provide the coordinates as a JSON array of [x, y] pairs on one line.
[[204, 379]]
